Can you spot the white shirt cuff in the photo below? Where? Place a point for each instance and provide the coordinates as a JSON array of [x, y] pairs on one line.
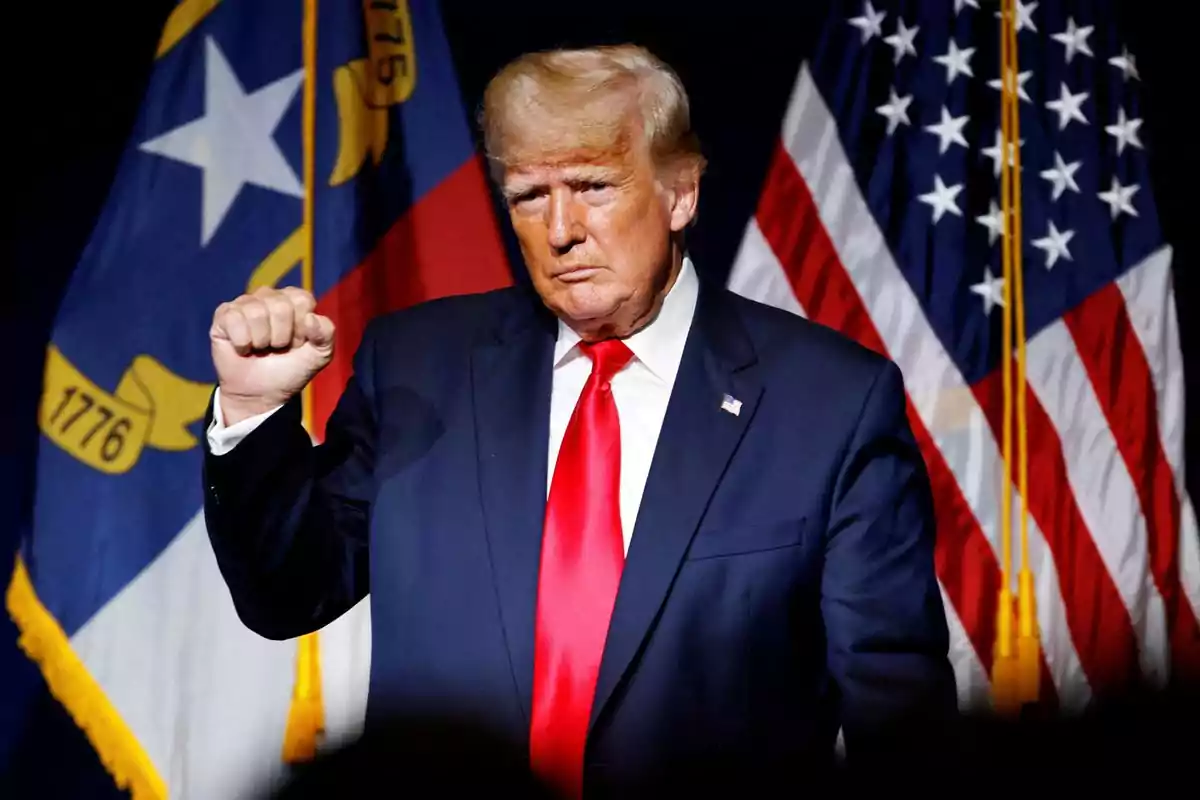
[[222, 439]]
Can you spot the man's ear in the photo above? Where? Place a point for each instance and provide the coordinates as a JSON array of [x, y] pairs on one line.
[[684, 194]]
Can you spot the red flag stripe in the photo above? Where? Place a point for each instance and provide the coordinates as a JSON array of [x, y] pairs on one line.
[[1124, 386], [1150, 302], [1100, 624], [1103, 489], [423, 256], [966, 565]]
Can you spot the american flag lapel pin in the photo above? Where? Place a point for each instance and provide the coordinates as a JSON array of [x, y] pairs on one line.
[[731, 404]]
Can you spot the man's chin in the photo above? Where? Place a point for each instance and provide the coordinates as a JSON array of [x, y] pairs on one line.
[[590, 318], [584, 303]]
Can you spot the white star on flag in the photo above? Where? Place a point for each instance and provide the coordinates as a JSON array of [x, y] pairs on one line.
[[902, 40], [1024, 16], [942, 198], [949, 130], [1054, 243], [1075, 39], [957, 62], [1125, 62], [993, 153], [870, 23], [1068, 106], [1125, 131], [991, 289], [1020, 83], [895, 110], [1062, 176], [1120, 198], [959, 5], [233, 143], [993, 221]]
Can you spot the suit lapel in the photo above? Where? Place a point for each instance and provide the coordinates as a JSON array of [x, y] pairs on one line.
[[511, 382], [697, 440]]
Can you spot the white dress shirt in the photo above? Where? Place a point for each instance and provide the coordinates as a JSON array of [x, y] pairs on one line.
[[641, 390]]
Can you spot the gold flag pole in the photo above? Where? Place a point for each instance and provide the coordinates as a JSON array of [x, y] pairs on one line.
[[1028, 642], [1004, 656], [306, 716], [1017, 658]]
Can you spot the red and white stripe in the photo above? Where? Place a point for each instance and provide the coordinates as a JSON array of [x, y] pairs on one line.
[[1112, 533]]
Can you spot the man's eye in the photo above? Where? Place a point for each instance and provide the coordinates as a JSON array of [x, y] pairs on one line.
[[595, 186], [524, 198]]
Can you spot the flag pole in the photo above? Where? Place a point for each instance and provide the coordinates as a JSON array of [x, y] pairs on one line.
[[1028, 642], [1017, 656], [1004, 656], [306, 716]]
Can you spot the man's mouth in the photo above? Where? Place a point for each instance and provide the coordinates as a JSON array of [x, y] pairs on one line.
[[576, 274]]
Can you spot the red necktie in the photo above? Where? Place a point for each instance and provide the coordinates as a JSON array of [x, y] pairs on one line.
[[582, 557]]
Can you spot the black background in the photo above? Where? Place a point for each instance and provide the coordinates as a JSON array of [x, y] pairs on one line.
[[73, 80]]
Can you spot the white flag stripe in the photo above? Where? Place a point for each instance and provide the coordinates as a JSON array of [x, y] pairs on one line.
[[1189, 552], [970, 678], [346, 673], [1150, 301], [757, 273], [1104, 491], [1058, 648], [194, 685], [935, 385]]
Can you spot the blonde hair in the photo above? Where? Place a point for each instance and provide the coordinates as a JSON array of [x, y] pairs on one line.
[[584, 99]]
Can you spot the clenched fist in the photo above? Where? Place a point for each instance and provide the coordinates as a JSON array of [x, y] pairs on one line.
[[266, 347]]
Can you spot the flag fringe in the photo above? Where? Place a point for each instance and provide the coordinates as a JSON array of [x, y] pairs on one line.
[[46, 643]]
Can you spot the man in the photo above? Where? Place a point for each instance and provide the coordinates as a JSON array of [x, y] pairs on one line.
[[647, 528]]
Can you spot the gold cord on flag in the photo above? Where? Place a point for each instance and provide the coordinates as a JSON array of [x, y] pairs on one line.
[[306, 717], [1017, 658]]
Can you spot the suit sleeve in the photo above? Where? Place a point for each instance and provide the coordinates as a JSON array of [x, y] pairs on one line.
[[288, 521], [885, 624]]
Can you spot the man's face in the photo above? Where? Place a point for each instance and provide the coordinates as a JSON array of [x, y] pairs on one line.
[[595, 230]]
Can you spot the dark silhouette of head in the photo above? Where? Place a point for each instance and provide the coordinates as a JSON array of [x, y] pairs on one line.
[[418, 757]]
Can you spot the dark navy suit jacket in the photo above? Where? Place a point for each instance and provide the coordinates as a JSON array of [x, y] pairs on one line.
[[779, 583]]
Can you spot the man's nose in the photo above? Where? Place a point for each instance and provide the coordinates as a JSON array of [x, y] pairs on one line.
[[564, 228]]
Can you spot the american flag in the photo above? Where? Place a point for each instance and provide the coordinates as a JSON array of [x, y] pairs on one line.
[[880, 217]]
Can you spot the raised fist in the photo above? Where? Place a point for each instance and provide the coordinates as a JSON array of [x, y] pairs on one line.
[[266, 347]]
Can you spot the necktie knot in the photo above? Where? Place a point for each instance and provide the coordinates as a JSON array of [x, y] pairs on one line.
[[608, 357]]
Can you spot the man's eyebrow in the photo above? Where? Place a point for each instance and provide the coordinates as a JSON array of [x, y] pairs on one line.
[[518, 186], [583, 173], [590, 172]]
